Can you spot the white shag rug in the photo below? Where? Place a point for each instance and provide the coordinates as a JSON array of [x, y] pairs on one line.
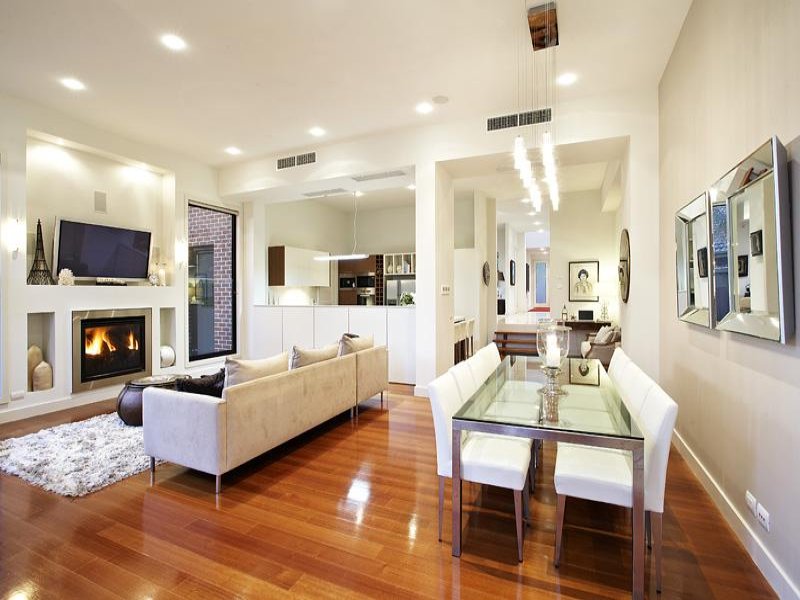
[[76, 459]]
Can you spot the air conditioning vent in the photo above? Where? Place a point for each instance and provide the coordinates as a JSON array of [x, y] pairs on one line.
[[306, 159], [285, 163], [374, 176], [531, 117], [324, 193]]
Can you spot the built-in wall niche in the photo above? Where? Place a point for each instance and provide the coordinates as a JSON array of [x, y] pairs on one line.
[[41, 338], [167, 336], [69, 181]]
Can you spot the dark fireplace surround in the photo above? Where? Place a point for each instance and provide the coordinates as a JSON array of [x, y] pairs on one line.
[[110, 347]]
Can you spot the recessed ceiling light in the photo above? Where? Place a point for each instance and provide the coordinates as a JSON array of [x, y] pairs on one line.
[[424, 108], [359, 193], [173, 42], [233, 150], [317, 131], [73, 84], [567, 79], [411, 187]]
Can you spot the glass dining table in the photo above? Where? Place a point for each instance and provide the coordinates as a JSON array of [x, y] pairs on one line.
[[591, 412]]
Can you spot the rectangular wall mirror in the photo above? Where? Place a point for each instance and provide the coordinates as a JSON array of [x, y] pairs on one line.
[[693, 263], [751, 233]]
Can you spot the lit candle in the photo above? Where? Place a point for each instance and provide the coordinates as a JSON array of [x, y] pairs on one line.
[[552, 356], [162, 277]]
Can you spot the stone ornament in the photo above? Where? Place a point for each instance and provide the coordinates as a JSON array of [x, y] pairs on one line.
[[42, 377], [35, 356], [65, 277], [167, 354]]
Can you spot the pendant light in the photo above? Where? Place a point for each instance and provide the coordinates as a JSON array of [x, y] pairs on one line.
[[353, 255]]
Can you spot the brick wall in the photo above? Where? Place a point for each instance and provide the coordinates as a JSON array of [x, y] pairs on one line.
[[213, 228]]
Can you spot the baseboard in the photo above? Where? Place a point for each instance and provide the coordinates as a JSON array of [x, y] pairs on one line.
[[16, 413], [763, 558], [421, 391]]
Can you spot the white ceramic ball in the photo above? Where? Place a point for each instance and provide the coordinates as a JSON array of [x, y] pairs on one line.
[[167, 356]]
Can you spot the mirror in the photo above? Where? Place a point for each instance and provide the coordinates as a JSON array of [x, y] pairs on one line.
[[693, 260], [624, 268], [751, 233]]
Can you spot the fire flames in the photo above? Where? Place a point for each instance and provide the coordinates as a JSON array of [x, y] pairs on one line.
[[99, 341]]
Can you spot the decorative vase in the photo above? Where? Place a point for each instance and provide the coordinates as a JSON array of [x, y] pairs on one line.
[[35, 356], [42, 377], [40, 273], [167, 354], [65, 277]]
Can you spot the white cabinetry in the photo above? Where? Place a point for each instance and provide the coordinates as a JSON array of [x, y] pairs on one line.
[[298, 327], [297, 267], [401, 341], [330, 322]]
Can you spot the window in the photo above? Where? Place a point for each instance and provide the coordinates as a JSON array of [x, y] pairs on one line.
[[540, 283], [212, 282]]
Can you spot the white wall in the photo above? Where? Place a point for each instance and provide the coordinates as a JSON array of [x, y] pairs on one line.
[[719, 100], [61, 182], [185, 179], [385, 230], [579, 230]]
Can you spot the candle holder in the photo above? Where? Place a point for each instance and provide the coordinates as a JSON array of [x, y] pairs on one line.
[[552, 343], [551, 393]]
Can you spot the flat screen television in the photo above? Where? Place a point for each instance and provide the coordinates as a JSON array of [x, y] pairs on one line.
[[101, 251]]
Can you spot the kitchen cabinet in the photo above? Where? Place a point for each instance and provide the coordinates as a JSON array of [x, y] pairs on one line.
[[298, 327], [401, 341], [297, 267]]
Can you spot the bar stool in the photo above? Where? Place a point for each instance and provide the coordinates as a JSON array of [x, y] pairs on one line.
[[470, 337]]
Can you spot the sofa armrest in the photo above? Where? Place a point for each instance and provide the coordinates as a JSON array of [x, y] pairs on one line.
[[186, 429], [372, 372]]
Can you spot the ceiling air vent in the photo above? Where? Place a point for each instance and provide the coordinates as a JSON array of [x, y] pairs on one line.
[[306, 159], [531, 117], [323, 193], [374, 176], [285, 163], [297, 161]]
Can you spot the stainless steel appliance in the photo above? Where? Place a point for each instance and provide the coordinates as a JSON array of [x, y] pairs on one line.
[[366, 280], [366, 296], [347, 282], [397, 286]]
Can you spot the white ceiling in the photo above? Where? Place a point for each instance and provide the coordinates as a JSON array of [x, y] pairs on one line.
[[582, 167], [372, 200], [258, 75]]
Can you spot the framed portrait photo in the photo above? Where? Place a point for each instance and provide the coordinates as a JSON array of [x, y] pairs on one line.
[[583, 278], [513, 269], [584, 372]]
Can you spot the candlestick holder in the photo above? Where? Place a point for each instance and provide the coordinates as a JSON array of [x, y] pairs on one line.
[[551, 392]]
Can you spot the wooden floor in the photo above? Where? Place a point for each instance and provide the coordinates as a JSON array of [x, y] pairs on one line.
[[344, 511]]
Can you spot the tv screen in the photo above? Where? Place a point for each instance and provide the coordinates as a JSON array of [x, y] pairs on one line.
[[102, 251]]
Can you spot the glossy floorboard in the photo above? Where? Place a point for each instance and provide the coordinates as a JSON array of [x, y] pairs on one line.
[[344, 511]]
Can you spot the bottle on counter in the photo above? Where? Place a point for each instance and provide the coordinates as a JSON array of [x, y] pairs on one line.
[[564, 313]]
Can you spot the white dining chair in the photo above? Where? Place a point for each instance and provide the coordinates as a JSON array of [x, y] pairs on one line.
[[618, 360], [634, 385], [484, 362], [486, 459], [465, 381], [606, 475]]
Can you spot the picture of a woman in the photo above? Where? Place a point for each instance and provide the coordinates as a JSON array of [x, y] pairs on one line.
[[583, 278]]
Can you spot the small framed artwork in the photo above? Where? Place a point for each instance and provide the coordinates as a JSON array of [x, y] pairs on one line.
[[756, 243], [702, 262], [741, 265], [584, 372], [513, 270], [583, 278], [527, 277]]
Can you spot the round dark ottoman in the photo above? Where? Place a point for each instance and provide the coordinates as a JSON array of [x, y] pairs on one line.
[[129, 401]]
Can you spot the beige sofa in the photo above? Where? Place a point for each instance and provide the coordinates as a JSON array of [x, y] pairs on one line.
[[216, 435]]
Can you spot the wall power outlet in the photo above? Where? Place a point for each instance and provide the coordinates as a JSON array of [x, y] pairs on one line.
[[763, 516], [751, 502]]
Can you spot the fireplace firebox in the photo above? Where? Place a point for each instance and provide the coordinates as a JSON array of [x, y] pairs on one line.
[[109, 347]]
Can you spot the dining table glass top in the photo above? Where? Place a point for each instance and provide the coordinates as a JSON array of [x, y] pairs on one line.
[[591, 403]]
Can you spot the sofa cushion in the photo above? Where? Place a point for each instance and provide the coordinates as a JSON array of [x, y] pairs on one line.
[[351, 345], [302, 358], [208, 385], [238, 370], [604, 335]]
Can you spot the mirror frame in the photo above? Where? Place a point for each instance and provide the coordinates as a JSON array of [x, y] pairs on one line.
[[783, 232], [703, 316]]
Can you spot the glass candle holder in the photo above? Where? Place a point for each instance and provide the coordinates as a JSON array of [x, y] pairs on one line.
[[552, 342]]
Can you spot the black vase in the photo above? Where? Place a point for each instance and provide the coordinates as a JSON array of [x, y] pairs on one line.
[[40, 273]]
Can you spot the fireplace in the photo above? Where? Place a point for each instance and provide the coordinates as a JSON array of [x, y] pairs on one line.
[[109, 347]]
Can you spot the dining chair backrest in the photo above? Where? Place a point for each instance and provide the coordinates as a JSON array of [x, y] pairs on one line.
[[657, 421], [460, 331], [618, 360], [634, 387], [470, 327], [494, 354], [464, 380], [445, 402], [482, 364]]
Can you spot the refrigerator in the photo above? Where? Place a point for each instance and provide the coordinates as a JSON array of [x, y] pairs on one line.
[[397, 286]]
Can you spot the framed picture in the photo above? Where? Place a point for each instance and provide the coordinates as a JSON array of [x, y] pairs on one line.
[[702, 262], [583, 278], [584, 372], [741, 265], [513, 270], [756, 243], [527, 277]]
